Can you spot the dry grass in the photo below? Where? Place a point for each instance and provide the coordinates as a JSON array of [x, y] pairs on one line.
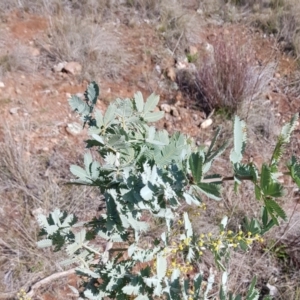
[[228, 78], [278, 17], [31, 182], [99, 51], [16, 57]]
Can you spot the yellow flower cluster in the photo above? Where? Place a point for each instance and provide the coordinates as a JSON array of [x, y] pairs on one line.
[[226, 239], [22, 295]]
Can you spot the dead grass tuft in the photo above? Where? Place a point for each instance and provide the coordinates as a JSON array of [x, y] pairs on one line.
[[17, 57], [29, 183], [227, 78], [96, 49]]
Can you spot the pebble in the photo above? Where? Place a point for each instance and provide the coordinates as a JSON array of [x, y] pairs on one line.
[[2, 85], [166, 108], [174, 112], [73, 68], [18, 91], [14, 110], [206, 123], [74, 128]]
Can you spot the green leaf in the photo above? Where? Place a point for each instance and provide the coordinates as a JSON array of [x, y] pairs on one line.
[[239, 142], [139, 101], [79, 105], [99, 118], [88, 160], [252, 293], [79, 172], [294, 168], [187, 225], [265, 177], [190, 199], [99, 139], [151, 103], [197, 285], [154, 116], [109, 115], [92, 93], [161, 266], [196, 163], [289, 128], [44, 243], [131, 289], [274, 209], [257, 192], [211, 190]]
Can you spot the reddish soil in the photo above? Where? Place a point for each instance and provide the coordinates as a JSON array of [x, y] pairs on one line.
[[42, 96]]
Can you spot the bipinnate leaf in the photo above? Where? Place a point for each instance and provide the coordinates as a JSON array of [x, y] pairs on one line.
[[78, 243], [239, 140]]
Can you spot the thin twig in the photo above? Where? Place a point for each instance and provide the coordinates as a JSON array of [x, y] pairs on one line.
[[49, 279]]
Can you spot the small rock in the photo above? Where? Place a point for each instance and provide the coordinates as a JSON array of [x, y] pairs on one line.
[[226, 32], [269, 97], [14, 110], [277, 75], [18, 91], [207, 143], [59, 67], [2, 85], [200, 11], [273, 291], [166, 108], [74, 128], [158, 69], [182, 65], [206, 123], [195, 117], [168, 117], [174, 112], [73, 68]]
